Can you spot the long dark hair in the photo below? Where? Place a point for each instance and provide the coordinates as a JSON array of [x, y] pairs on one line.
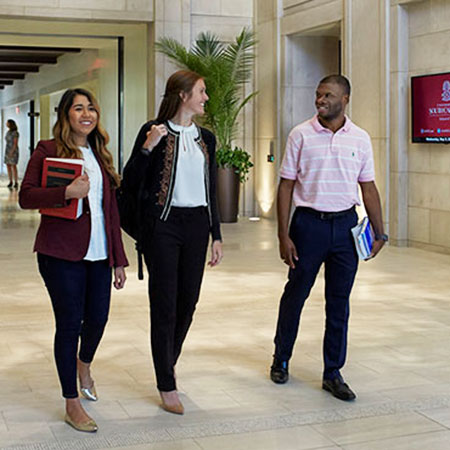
[[181, 81], [98, 138], [12, 125]]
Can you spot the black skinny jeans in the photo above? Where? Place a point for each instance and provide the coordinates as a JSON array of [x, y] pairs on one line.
[[175, 257], [80, 293]]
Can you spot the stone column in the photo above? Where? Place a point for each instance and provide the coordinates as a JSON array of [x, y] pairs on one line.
[[172, 18], [266, 107], [366, 64], [399, 75]]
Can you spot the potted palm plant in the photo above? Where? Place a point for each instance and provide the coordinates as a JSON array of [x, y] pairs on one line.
[[226, 69]]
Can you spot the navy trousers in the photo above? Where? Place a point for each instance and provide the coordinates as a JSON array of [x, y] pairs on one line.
[[319, 240], [175, 257], [80, 293]]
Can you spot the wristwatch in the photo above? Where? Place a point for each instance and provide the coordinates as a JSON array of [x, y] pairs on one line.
[[381, 237]]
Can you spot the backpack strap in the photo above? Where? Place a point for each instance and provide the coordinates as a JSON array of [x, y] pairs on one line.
[[140, 264]]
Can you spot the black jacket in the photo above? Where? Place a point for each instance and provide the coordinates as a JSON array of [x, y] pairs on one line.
[[151, 175]]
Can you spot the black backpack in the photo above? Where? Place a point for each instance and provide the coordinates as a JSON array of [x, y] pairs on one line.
[[129, 204]]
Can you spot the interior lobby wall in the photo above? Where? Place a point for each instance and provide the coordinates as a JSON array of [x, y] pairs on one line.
[[141, 23], [129, 10], [365, 43], [266, 107], [363, 60], [98, 61], [428, 164], [307, 59], [226, 19], [71, 71]]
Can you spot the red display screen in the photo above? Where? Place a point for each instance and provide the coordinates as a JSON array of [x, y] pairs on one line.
[[431, 108]]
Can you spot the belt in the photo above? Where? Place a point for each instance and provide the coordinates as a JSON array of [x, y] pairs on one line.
[[187, 209], [325, 215]]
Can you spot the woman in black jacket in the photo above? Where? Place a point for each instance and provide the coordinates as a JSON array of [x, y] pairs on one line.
[[172, 170]]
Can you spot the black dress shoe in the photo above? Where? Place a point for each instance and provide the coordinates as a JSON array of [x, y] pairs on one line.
[[338, 389], [279, 371]]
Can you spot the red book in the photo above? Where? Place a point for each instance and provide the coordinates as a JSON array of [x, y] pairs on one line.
[[61, 172]]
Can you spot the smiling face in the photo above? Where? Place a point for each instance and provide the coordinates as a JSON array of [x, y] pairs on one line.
[[331, 101], [194, 102], [83, 118]]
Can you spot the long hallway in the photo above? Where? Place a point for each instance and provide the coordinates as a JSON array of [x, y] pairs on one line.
[[398, 361]]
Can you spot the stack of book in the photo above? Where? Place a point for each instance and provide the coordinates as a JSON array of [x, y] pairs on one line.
[[61, 172], [364, 236]]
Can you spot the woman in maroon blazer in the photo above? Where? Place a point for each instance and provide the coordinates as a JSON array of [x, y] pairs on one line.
[[75, 257]]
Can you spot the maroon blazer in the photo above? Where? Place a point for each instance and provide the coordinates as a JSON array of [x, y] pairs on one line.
[[63, 238]]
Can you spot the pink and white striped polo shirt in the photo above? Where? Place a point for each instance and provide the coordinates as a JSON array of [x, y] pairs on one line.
[[327, 166]]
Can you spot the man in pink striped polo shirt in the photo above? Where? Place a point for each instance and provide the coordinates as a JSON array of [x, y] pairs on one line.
[[326, 158]]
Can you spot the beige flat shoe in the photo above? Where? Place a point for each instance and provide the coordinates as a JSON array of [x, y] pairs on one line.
[[88, 427]]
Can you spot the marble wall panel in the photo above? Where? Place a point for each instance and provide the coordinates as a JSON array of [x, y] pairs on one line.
[[429, 165], [238, 8], [31, 3], [439, 228], [419, 224], [266, 11], [206, 7]]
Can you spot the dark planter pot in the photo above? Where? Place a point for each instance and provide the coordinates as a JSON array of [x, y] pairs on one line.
[[228, 194]]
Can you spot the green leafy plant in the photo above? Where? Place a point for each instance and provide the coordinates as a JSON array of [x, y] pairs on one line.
[[226, 69], [237, 159]]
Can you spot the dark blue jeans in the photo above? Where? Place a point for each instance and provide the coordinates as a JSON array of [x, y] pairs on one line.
[[318, 241], [80, 293]]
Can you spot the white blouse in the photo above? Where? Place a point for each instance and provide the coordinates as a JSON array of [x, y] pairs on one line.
[[189, 189], [98, 248]]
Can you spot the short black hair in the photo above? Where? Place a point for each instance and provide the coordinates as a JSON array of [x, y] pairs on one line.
[[338, 79]]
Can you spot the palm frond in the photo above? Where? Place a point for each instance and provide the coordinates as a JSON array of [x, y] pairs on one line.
[[242, 104], [174, 50], [226, 68], [207, 45], [241, 55]]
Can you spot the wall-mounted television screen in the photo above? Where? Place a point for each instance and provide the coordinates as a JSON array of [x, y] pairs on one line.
[[431, 108]]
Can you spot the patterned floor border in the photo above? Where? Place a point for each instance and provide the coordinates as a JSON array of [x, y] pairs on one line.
[[346, 412]]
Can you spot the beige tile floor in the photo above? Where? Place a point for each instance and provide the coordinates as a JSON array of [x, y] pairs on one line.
[[398, 360]]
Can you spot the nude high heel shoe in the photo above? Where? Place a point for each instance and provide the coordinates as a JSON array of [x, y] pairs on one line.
[[172, 405]]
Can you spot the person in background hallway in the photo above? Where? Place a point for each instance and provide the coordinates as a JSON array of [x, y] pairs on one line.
[[12, 153], [326, 158], [174, 160], [75, 256]]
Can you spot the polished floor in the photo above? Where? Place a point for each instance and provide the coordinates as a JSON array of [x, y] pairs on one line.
[[398, 361]]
